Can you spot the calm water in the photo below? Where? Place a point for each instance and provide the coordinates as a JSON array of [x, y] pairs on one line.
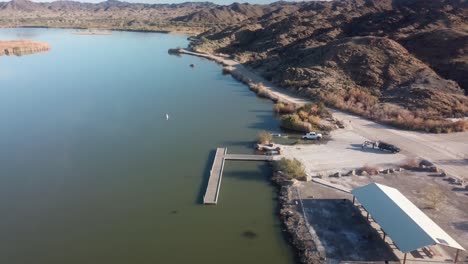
[[91, 171]]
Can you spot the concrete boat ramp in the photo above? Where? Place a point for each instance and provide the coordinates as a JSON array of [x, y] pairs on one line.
[[216, 172]]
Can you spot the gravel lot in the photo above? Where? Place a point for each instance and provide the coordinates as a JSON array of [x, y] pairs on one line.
[[342, 153]]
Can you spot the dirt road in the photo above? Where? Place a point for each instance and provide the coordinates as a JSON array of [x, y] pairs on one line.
[[447, 151]]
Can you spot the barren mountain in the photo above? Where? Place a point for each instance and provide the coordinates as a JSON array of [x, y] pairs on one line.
[[110, 14], [406, 53], [236, 13]]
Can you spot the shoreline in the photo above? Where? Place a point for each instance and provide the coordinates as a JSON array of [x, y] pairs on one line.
[[249, 77], [423, 145], [292, 221], [162, 31]]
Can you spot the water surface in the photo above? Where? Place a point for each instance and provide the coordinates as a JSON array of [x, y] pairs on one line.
[[92, 172]]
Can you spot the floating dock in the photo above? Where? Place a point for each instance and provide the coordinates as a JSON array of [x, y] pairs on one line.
[[216, 172]]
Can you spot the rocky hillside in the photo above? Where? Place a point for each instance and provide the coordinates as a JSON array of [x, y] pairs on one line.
[[112, 14], [236, 13], [402, 54]]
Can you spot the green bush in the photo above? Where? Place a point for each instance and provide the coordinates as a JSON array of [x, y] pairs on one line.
[[291, 167], [294, 122]]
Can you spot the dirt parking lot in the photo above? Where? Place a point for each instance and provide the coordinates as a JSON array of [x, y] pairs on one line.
[[342, 153]]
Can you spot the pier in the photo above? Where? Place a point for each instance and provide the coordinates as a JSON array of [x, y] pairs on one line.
[[216, 172]]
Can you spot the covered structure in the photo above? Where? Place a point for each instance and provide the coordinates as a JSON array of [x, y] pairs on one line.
[[409, 228]]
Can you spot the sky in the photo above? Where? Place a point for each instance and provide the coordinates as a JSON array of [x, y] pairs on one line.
[[220, 2]]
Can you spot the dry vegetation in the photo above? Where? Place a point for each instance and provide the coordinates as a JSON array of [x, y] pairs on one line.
[[22, 47], [303, 119], [434, 196], [363, 103], [293, 168], [264, 137], [364, 57]]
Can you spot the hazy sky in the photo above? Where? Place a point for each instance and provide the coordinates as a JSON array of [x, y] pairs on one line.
[[221, 2]]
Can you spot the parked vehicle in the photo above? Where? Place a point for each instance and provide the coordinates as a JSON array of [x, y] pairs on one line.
[[268, 147], [272, 152], [388, 147], [312, 135]]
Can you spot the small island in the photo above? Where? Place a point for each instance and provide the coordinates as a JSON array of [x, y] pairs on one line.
[[22, 47]]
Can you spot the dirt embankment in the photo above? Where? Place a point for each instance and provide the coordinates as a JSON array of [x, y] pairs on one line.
[[22, 47]]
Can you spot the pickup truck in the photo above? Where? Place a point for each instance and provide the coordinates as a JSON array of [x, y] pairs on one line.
[[312, 135], [389, 147]]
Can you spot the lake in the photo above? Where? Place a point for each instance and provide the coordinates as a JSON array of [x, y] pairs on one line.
[[92, 172]]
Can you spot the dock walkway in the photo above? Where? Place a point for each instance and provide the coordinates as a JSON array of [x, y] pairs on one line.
[[216, 172]]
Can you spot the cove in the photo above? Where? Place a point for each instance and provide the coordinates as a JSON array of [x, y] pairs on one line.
[[92, 172]]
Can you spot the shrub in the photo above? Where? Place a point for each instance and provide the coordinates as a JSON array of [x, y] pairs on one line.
[[363, 103], [434, 196], [291, 167], [411, 163], [315, 121], [283, 108], [264, 137], [293, 122], [303, 114]]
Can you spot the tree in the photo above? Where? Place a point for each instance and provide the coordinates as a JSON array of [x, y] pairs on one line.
[[264, 137], [434, 196], [291, 167]]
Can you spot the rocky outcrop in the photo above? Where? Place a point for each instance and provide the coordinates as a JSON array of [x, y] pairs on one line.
[[22, 47], [396, 61]]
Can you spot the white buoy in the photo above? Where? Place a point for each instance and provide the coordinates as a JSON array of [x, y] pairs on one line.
[[167, 116]]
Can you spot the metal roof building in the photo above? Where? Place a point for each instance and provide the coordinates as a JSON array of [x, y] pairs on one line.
[[406, 224]]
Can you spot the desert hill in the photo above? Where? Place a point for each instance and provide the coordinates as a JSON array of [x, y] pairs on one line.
[[373, 57]]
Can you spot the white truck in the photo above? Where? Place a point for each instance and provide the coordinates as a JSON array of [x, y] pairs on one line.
[[312, 135]]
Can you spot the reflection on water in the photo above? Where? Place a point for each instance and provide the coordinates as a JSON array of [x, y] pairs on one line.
[[92, 172]]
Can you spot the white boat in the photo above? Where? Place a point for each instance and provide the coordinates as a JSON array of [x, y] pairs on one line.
[[167, 116]]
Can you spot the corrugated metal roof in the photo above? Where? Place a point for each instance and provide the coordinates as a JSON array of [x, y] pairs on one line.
[[407, 225]]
